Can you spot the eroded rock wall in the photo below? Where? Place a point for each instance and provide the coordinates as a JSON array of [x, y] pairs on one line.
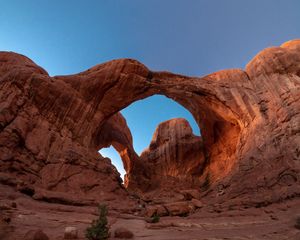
[[175, 156], [51, 126], [40, 155]]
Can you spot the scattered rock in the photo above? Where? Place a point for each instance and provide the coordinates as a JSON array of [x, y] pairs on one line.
[[174, 197], [36, 235], [4, 206], [160, 210], [197, 203], [179, 208], [122, 232], [273, 217], [182, 224], [190, 194], [71, 233], [268, 211]]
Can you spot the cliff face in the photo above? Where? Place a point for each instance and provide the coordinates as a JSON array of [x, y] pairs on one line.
[[52, 128], [175, 156], [39, 154]]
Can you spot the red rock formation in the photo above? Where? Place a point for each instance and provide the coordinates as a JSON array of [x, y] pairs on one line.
[[175, 156], [115, 132], [51, 127], [40, 155]]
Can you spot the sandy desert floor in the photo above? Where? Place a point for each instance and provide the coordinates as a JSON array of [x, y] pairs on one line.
[[274, 222]]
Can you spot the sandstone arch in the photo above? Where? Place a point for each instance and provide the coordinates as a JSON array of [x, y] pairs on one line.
[[231, 107], [116, 133], [197, 95], [174, 153]]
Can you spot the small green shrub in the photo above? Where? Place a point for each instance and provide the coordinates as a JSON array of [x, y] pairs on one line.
[[99, 228], [155, 218]]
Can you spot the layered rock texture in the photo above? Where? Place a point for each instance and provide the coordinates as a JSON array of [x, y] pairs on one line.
[[51, 129], [175, 156]]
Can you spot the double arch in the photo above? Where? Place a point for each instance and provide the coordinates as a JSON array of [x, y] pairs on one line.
[[125, 81], [106, 89]]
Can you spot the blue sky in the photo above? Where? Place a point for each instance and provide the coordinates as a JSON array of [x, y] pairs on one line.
[[192, 37]]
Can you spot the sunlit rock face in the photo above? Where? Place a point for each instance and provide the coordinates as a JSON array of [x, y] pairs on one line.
[[51, 129], [175, 156]]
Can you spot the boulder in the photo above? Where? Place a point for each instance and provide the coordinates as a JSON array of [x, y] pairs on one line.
[[36, 235], [190, 194], [5, 206], [123, 233], [179, 208], [197, 203], [159, 210], [71, 233]]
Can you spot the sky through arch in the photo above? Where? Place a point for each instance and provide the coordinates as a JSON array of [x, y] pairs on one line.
[[143, 117]]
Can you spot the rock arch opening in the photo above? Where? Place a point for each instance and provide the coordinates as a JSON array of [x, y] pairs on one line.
[[144, 116], [160, 132], [111, 153], [220, 122]]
